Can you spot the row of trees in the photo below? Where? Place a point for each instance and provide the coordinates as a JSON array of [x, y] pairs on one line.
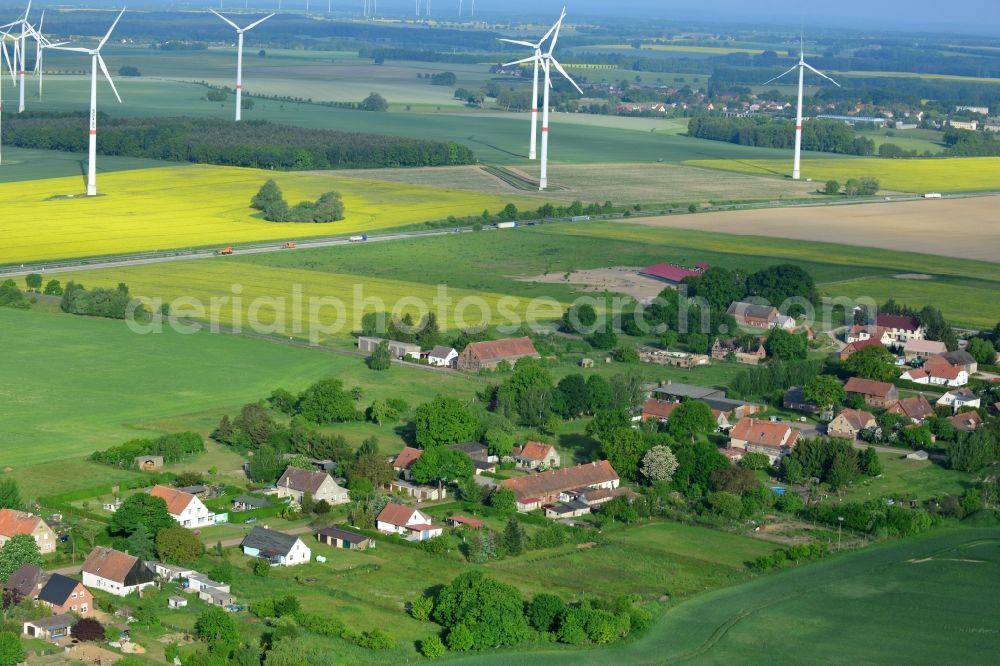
[[255, 144], [826, 136], [174, 448], [329, 207], [98, 302]]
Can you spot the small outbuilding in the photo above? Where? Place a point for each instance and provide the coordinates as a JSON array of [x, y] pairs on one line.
[[338, 538], [917, 455], [176, 602], [50, 628]]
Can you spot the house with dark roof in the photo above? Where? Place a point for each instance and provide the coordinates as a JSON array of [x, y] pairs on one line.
[[405, 521], [849, 423], [13, 522], [960, 397], [295, 483], [442, 357], [900, 328], [676, 391], [116, 572], [537, 490], [474, 450], [26, 582], [877, 394], [673, 274], [184, 507], [916, 408], [488, 355], [396, 349], [278, 548], [774, 439], [795, 400], [961, 359], [63, 595], [340, 538], [536, 454], [246, 502]]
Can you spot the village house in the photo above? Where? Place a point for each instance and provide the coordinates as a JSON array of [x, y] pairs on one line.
[[403, 460], [184, 507], [416, 491], [442, 357], [849, 423], [488, 355], [673, 274], [215, 596], [196, 582], [295, 483], [535, 454], [26, 582], [774, 439], [397, 349], [942, 373], [877, 394], [478, 452], [922, 349], [63, 595], [855, 346], [536, 490], [405, 521], [170, 572], [278, 548], [721, 349], [14, 522], [752, 315], [116, 572], [916, 408], [966, 421], [961, 359], [50, 628], [657, 410], [340, 538], [890, 330], [962, 397]]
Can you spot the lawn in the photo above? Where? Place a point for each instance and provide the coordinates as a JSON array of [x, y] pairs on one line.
[[910, 479], [192, 206], [957, 174], [76, 384], [845, 610]]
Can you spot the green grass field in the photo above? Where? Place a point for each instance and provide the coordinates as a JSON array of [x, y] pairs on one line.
[[845, 609], [84, 384], [966, 174]]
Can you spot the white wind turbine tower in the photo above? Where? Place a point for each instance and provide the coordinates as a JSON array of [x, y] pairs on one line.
[[802, 66], [95, 61], [548, 61], [10, 67], [41, 43], [239, 57]]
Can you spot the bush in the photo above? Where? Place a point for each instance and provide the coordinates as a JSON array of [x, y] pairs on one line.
[[88, 629], [432, 647], [421, 608], [376, 639]]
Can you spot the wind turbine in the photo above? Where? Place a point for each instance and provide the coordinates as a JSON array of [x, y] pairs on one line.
[[536, 61], [802, 66], [548, 61], [41, 43], [95, 61], [10, 67], [239, 57]]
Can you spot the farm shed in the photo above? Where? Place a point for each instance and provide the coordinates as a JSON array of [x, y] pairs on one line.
[[338, 538]]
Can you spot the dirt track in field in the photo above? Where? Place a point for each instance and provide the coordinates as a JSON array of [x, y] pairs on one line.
[[965, 228]]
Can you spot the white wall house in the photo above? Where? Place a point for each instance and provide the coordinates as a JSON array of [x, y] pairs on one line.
[[278, 548], [116, 572], [185, 508], [407, 522]]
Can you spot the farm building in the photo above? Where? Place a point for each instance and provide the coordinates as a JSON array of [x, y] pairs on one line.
[[751, 315], [916, 408], [215, 596], [673, 274], [249, 503], [876, 394], [14, 522], [721, 349], [50, 628], [149, 463], [674, 391], [338, 538], [278, 548], [795, 400], [396, 349], [458, 521], [658, 410], [442, 357], [537, 490], [116, 572], [417, 491], [295, 483], [176, 602], [775, 440], [961, 359], [407, 522], [922, 349], [488, 355]]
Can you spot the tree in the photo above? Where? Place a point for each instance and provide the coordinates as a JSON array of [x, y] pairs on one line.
[[10, 497], [869, 462], [266, 465], [374, 102], [326, 401], [500, 442], [843, 470], [140, 509], [11, 650], [19, 550], [983, 351], [53, 288], [432, 647], [513, 538], [283, 400], [33, 281], [266, 196], [88, 629], [736, 480], [874, 362], [504, 500], [755, 461], [444, 421], [785, 345], [831, 187], [598, 394], [253, 426], [726, 504], [141, 543], [493, 612], [825, 391], [381, 358], [624, 448], [442, 463], [215, 625], [178, 545], [544, 610], [659, 464], [374, 468], [690, 419], [575, 399], [421, 607]]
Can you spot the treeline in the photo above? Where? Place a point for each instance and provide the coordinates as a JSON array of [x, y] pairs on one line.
[[826, 136], [255, 144], [174, 448], [966, 143], [775, 376], [99, 302]]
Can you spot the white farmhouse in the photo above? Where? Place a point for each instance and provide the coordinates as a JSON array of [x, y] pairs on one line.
[[184, 507], [116, 572]]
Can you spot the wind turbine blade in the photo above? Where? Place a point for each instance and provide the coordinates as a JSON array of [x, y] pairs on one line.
[[555, 32], [74, 49], [111, 29], [41, 22], [235, 27], [27, 10], [520, 62], [549, 33], [104, 69], [562, 71], [816, 71], [256, 23], [779, 76], [6, 56], [516, 41]]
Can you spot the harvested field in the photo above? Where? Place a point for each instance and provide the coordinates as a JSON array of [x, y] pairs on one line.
[[914, 226], [619, 279]]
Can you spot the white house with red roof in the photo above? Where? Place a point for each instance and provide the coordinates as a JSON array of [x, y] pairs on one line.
[[942, 373], [774, 439], [403, 461], [890, 330], [184, 507], [409, 523]]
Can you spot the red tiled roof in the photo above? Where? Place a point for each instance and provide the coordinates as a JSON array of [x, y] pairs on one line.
[[399, 514], [858, 345], [558, 480], [463, 520], [302, 480], [903, 322], [14, 522], [967, 421], [764, 433], [672, 272], [534, 451], [867, 387], [916, 407], [935, 366], [109, 563], [501, 349], [661, 409], [915, 374], [859, 419], [407, 457], [177, 500]]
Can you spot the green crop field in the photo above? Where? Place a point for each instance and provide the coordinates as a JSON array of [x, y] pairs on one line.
[[77, 384], [917, 139], [965, 174], [844, 610]]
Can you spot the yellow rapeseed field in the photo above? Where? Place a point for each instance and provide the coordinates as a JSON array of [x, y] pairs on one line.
[[196, 206], [956, 174], [287, 297]]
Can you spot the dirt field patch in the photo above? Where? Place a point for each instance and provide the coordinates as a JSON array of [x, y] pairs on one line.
[[618, 279], [965, 228], [913, 276]]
